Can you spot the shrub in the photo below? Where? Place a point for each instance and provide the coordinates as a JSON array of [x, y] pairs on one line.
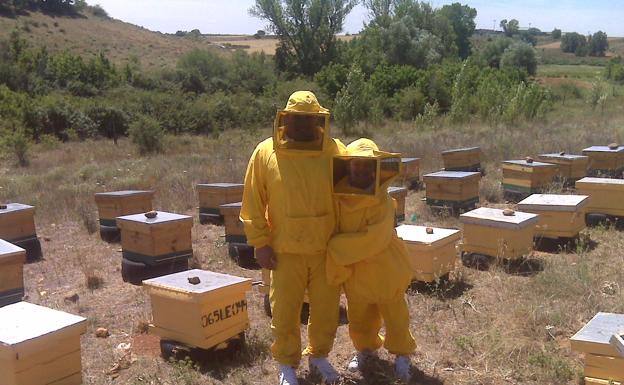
[[147, 134], [16, 142], [408, 103], [98, 11], [520, 55]]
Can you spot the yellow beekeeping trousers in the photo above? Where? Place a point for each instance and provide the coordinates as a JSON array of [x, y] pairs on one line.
[[289, 281], [365, 320]]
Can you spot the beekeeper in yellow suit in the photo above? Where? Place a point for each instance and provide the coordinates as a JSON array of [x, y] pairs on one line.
[[288, 214], [367, 258]]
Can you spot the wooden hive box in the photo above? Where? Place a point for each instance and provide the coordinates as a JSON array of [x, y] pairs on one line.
[[17, 225], [462, 159], [605, 195], [238, 249], [39, 346], [602, 360], [526, 177], [410, 173], [605, 160], [432, 256], [115, 204], [201, 315], [570, 167], [560, 216], [399, 194], [488, 231], [12, 259], [452, 189], [212, 196]]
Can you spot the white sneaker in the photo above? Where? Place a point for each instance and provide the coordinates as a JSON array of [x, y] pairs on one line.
[[324, 368], [403, 368], [287, 375], [359, 360]]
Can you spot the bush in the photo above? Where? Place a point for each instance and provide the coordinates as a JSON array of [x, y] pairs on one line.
[[520, 55], [147, 134], [16, 142], [408, 103], [98, 11], [556, 34]]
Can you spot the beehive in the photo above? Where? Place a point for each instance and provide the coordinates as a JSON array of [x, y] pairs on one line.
[[605, 195], [399, 194], [432, 254], [410, 173], [602, 360], [212, 196], [39, 346], [488, 231], [560, 216], [156, 242], [238, 249], [570, 167], [17, 225], [452, 189], [115, 204], [462, 159], [605, 160], [201, 315], [522, 178], [12, 259]]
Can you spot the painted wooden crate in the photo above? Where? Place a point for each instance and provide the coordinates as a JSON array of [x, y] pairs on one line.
[[522, 178], [432, 253], [410, 173], [560, 216], [39, 346], [12, 259], [605, 195], [115, 204], [452, 189], [203, 314], [602, 360], [605, 160], [462, 159], [570, 167], [238, 249], [488, 231], [212, 196], [17, 225], [399, 194], [156, 246]]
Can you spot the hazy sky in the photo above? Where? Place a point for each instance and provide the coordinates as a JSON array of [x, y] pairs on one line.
[[231, 16]]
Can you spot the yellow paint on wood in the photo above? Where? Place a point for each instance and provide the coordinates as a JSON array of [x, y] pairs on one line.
[[410, 170], [599, 381], [605, 195], [605, 160], [461, 158], [113, 205], [604, 373], [452, 189], [558, 224], [17, 224], [498, 242], [614, 365], [215, 195], [11, 266], [231, 219], [568, 168], [532, 177]]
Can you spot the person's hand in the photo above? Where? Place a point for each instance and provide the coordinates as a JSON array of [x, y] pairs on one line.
[[266, 258]]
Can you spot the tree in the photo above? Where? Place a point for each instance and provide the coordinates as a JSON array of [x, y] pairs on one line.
[[462, 18], [598, 44], [510, 27], [306, 30], [556, 33], [494, 50], [573, 42], [520, 55], [528, 37]]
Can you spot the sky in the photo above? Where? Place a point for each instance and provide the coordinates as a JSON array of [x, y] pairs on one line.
[[232, 17]]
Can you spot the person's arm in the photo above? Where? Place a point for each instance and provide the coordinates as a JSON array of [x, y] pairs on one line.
[[255, 199], [350, 248]]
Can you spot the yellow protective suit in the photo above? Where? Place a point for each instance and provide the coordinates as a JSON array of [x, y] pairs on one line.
[[288, 205], [371, 262]]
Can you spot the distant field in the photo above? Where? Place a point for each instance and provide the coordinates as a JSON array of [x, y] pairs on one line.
[[573, 71], [267, 45]]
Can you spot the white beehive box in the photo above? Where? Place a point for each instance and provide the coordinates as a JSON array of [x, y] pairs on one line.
[[560, 216]]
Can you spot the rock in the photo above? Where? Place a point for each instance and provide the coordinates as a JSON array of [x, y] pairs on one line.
[[429, 230], [562, 153], [528, 159], [102, 333], [509, 212], [72, 298], [613, 146], [3, 207], [151, 214], [194, 280]]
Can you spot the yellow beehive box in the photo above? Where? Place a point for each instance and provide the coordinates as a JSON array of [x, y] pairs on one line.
[[432, 253], [213, 195], [201, 315], [399, 194], [598, 381], [526, 177], [560, 216], [488, 231], [570, 167], [238, 249], [39, 346], [605, 160], [605, 195], [17, 225], [454, 189], [410, 173], [462, 159], [12, 259], [115, 204]]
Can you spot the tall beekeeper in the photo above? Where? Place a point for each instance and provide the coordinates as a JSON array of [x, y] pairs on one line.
[[288, 214]]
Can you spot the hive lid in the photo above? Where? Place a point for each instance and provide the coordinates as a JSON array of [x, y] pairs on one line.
[[419, 235], [12, 207], [124, 193], [407, 160], [594, 337], [25, 321], [600, 181], [564, 156], [486, 216], [524, 163], [161, 217], [209, 281], [464, 149], [451, 174], [553, 202], [603, 149], [219, 185], [394, 189], [7, 249], [235, 205]]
